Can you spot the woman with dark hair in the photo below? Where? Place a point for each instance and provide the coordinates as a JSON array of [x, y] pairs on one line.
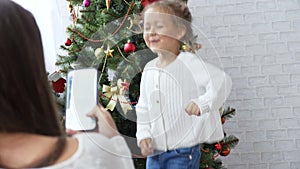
[[31, 135]]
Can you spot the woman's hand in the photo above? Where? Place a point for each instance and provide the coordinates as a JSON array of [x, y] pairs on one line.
[[106, 124], [192, 109], [146, 147]]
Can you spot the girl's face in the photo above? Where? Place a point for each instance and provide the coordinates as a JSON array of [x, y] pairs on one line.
[[161, 34]]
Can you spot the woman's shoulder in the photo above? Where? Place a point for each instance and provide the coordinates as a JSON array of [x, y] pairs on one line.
[[106, 150], [96, 150], [88, 135], [97, 142], [92, 140]]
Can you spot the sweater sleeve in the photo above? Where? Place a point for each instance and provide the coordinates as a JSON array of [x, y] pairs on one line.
[[142, 111], [218, 88]]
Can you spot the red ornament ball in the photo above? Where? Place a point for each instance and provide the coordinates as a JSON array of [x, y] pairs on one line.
[[218, 146], [223, 120], [147, 2], [129, 47], [59, 85], [68, 42], [225, 152]]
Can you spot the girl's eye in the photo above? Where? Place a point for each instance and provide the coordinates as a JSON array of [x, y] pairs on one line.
[[147, 28]]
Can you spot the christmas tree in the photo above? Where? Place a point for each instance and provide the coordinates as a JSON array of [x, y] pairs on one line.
[[211, 152], [108, 36]]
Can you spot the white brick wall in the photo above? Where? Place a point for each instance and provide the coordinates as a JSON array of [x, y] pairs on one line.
[[257, 42]]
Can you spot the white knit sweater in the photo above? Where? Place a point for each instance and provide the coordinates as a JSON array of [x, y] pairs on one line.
[[97, 151], [164, 94]]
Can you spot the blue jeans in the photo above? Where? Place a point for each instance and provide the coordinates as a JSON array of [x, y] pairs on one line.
[[181, 158]]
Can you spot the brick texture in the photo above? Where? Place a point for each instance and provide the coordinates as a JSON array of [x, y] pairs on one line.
[[258, 42]]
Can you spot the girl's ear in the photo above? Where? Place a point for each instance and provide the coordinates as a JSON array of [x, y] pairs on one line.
[[181, 32]]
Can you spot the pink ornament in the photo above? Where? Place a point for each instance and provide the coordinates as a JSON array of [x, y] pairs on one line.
[[125, 85], [86, 3]]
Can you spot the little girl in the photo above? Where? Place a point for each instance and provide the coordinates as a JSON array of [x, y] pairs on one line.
[[180, 95]]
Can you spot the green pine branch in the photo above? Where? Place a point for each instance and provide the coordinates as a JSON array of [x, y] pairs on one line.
[[228, 112], [230, 141]]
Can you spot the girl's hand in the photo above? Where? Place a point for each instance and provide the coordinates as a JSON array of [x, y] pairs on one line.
[[146, 147], [106, 124], [192, 109]]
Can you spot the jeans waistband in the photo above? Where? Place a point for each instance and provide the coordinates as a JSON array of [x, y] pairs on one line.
[[195, 146], [156, 152]]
